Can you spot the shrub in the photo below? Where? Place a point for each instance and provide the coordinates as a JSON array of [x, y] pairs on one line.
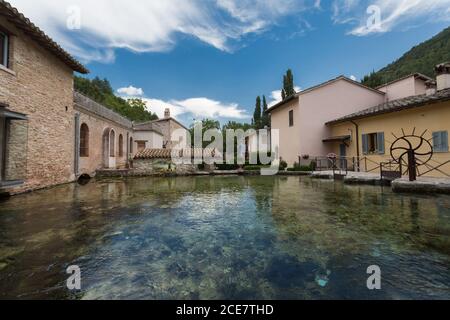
[[299, 168], [283, 165], [227, 167]]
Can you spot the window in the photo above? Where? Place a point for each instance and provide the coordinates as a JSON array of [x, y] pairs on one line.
[[120, 146], [140, 146], [131, 145], [112, 144], [13, 147], [373, 143], [84, 140], [4, 49], [291, 118], [440, 141]]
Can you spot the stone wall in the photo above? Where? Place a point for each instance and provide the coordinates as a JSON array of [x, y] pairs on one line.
[[155, 166], [39, 85], [99, 120]]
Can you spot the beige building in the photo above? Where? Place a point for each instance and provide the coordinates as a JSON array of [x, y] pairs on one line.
[[36, 105], [371, 134], [175, 134], [147, 136]]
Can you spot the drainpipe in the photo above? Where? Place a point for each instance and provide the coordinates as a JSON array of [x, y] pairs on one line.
[[77, 145], [357, 144]]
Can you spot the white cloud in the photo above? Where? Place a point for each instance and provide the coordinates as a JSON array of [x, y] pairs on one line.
[[153, 26], [353, 78], [196, 108], [130, 91], [394, 14], [276, 96]]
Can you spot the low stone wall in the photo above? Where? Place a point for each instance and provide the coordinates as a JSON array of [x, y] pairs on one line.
[[422, 185], [156, 166]]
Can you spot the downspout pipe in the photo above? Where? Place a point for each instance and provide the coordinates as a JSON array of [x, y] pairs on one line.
[[357, 143]]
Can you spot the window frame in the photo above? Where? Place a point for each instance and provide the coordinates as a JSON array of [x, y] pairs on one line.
[[121, 153], [84, 141], [8, 115], [373, 143], [139, 143], [4, 60], [443, 138], [291, 118]]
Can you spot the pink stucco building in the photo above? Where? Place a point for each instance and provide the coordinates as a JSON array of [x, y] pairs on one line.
[[301, 118]]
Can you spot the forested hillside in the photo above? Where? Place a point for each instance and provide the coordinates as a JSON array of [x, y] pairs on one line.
[[102, 92], [421, 58]]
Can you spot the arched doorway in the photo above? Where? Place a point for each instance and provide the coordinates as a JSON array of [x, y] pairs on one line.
[[109, 143]]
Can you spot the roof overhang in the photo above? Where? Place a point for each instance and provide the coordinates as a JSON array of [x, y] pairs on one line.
[[282, 103], [24, 24], [337, 139]]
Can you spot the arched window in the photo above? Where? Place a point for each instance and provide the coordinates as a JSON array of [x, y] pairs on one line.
[[112, 144], [84, 140], [131, 145], [120, 146]]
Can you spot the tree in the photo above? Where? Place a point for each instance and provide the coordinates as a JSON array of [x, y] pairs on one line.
[[257, 113], [207, 124], [102, 92], [288, 84], [265, 120]]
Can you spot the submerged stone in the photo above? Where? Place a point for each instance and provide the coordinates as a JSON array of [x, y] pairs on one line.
[[288, 271]]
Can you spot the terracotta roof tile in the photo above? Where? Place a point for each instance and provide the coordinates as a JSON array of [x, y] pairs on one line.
[[167, 153]]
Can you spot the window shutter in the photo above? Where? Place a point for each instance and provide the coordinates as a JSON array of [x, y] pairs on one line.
[[436, 141], [365, 143], [444, 141], [380, 142]]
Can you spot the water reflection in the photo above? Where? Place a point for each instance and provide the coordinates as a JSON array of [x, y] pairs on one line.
[[224, 238]]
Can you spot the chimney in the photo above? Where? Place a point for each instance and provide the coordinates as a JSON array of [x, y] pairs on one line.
[[431, 87], [167, 113], [443, 76]]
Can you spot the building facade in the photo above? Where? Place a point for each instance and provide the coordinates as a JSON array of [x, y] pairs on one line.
[[175, 134], [49, 134], [36, 106], [374, 135], [300, 119]]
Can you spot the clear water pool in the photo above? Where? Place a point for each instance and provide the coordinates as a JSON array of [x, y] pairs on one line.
[[224, 238]]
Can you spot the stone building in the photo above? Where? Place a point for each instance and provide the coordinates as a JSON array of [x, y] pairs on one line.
[[36, 105], [102, 138], [175, 134], [49, 134]]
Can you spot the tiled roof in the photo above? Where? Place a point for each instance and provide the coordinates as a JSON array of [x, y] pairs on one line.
[[23, 23], [397, 105], [167, 153]]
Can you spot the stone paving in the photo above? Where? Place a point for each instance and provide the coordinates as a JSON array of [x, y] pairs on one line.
[[422, 185]]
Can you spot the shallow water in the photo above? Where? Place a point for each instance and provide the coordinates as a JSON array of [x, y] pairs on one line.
[[224, 238]]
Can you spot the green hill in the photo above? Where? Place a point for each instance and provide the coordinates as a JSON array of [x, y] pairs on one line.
[[421, 58], [102, 92]]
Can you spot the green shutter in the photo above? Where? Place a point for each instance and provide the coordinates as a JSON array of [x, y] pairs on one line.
[[380, 142], [365, 143]]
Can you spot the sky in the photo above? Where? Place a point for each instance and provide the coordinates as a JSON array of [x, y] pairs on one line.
[[212, 58]]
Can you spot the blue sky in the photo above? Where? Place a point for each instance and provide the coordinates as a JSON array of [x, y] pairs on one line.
[[211, 58]]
